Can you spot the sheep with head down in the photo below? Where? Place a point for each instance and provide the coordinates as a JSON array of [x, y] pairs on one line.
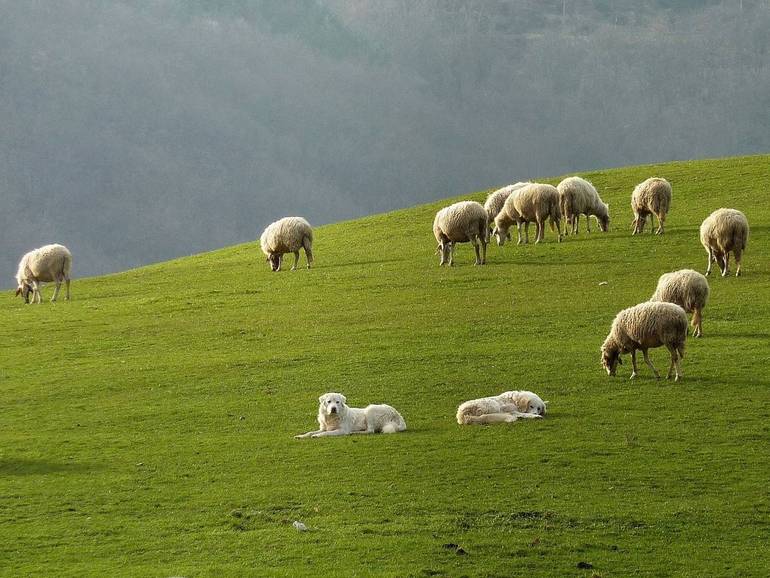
[[578, 196], [463, 222], [287, 235], [651, 198], [534, 202], [688, 289], [496, 200], [50, 263], [645, 326], [723, 231]]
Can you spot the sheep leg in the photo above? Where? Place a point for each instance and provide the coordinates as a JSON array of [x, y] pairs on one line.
[[483, 252], [451, 254], [67, 282], [726, 270], [649, 363], [518, 233], [526, 232], [576, 226], [296, 260], [56, 290], [696, 323], [36, 297], [308, 246], [588, 223], [711, 260], [674, 366], [280, 262], [476, 249], [633, 364], [737, 262]]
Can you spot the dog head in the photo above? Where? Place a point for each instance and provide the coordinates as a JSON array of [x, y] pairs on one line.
[[332, 404]]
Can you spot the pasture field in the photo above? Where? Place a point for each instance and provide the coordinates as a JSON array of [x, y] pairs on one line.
[[147, 426]]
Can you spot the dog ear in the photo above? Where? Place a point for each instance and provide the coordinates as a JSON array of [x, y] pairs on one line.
[[321, 398], [344, 399], [546, 402]]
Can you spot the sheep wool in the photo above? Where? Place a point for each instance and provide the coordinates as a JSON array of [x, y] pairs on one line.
[[723, 231], [651, 198], [44, 265], [688, 289], [463, 222], [287, 235], [644, 326], [577, 197], [534, 202]]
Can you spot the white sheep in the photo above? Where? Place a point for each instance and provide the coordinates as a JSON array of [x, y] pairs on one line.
[[506, 407], [644, 326], [723, 231], [461, 222], [688, 289], [534, 202], [287, 235], [43, 265], [496, 200], [577, 197], [651, 198]]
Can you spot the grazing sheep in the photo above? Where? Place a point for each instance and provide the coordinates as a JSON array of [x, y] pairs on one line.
[[506, 407], [723, 231], [43, 265], [532, 202], [651, 197], [461, 222], [579, 197], [645, 326], [287, 235], [496, 200], [688, 289]]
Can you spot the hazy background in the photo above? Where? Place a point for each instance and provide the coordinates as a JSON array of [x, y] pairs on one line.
[[142, 130]]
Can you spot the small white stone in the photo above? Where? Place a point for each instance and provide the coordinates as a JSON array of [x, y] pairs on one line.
[[299, 526]]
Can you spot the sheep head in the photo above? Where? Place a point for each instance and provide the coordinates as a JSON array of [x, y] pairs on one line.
[[611, 359]]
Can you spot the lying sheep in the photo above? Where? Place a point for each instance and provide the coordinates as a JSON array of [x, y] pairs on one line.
[[644, 326], [534, 202], [506, 407], [287, 235], [461, 222], [579, 197], [688, 289], [651, 197], [723, 231], [43, 265]]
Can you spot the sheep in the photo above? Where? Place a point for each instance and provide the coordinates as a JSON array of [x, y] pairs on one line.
[[723, 231], [496, 200], [649, 324], [578, 196], [461, 222], [506, 407], [287, 235], [651, 197], [43, 265], [688, 289], [532, 202]]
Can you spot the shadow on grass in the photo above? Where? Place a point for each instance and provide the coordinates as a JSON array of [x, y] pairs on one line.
[[27, 467]]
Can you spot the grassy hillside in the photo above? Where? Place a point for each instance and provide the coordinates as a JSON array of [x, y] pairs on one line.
[[146, 426]]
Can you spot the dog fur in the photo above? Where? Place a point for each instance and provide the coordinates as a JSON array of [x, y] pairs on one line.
[[506, 407], [335, 418]]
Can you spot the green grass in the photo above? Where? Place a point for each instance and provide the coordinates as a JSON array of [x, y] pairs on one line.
[[146, 426]]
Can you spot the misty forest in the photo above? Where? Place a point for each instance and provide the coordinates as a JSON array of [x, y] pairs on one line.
[[138, 131]]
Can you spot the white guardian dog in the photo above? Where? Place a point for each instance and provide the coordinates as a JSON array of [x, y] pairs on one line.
[[506, 407], [337, 419]]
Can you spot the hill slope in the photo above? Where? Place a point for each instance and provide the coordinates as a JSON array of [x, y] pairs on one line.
[[147, 425]]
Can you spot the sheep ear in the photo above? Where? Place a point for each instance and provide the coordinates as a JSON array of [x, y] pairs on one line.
[[18, 291]]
